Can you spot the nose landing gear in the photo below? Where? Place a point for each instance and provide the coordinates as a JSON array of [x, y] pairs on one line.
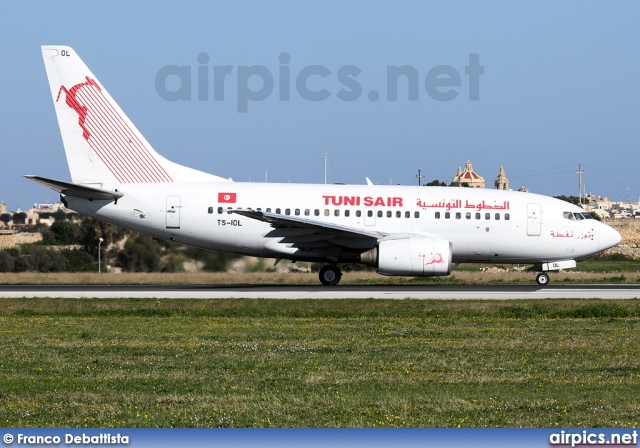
[[542, 279]]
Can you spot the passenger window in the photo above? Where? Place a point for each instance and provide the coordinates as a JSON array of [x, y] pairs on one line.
[[477, 215], [487, 216], [407, 214], [389, 214], [358, 213], [268, 210], [316, 212], [447, 215], [497, 216], [506, 216], [416, 215], [336, 212], [369, 213], [347, 213], [458, 215], [210, 210], [468, 215], [379, 213], [437, 215], [297, 212], [306, 212], [287, 211], [228, 208], [278, 211], [398, 214], [326, 212]]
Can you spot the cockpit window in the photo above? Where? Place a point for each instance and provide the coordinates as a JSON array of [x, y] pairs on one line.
[[576, 216]]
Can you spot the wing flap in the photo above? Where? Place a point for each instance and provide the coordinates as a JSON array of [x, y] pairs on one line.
[[306, 234]]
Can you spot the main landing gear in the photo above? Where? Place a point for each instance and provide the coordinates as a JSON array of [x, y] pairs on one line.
[[330, 275], [542, 279]]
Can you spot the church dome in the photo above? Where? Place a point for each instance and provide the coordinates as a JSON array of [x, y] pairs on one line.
[[468, 176]]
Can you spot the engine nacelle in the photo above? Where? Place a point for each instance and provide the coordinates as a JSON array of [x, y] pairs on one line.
[[412, 255]]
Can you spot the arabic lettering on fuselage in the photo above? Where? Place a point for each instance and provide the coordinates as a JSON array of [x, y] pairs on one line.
[[566, 234], [569, 234], [457, 203]]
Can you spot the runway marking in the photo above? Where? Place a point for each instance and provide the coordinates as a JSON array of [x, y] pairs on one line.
[[484, 292]]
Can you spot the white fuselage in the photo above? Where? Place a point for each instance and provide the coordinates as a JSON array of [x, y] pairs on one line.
[[482, 225]]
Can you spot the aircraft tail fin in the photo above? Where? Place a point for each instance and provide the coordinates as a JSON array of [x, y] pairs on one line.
[[101, 144]]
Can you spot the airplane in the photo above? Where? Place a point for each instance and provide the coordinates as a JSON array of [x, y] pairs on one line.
[[117, 177]]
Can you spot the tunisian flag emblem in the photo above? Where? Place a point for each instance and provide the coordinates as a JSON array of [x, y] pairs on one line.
[[229, 198]]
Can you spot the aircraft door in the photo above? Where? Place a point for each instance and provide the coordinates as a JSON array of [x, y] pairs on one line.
[[173, 212], [534, 219], [370, 216]]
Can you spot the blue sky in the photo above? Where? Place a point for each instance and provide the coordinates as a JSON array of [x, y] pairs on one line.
[[561, 86]]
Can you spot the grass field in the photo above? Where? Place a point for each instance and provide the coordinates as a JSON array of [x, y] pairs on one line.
[[612, 269], [464, 276], [347, 363]]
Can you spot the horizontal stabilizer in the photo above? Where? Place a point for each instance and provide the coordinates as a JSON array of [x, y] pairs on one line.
[[77, 190]]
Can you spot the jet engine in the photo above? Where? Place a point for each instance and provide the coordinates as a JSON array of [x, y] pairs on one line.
[[411, 255]]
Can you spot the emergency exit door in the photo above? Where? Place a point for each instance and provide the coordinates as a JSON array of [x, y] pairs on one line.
[[173, 212], [370, 216]]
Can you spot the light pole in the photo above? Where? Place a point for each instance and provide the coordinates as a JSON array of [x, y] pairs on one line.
[[100, 240]]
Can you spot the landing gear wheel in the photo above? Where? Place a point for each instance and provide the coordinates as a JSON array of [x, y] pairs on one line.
[[542, 279], [330, 275]]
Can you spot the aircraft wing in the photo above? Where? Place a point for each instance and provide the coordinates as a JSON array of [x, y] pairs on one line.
[[76, 190], [307, 233]]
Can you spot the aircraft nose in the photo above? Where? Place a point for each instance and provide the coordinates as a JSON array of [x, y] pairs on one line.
[[609, 237]]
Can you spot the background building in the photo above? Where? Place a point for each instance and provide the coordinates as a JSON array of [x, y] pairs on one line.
[[468, 176], [502, 181], [7, 239]]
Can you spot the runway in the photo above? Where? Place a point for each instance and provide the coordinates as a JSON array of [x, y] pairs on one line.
[[423, 292]]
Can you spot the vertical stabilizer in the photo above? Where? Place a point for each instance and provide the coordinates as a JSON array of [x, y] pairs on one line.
[[102, 145]]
